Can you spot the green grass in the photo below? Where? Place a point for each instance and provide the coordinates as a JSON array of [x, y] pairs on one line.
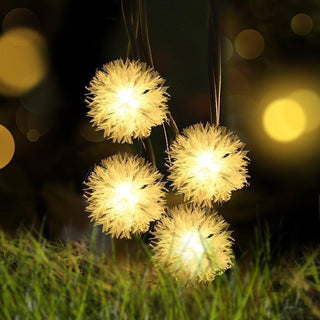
[[42, 280]]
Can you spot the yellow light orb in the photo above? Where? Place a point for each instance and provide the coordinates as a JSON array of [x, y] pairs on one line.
[[23, 62], [301, 24], [310, 102], [284, 120], [7, 146], [249, 44]]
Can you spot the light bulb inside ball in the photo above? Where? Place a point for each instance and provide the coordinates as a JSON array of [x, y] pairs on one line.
[[191, 248], [207, 165], [128, 102], [126, 198]]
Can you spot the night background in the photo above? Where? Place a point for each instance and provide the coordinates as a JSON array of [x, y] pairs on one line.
[[56, 147], [49, 52]]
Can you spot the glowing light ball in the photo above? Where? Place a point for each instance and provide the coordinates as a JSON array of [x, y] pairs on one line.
[[249, 44], [208, 163], [126, 99], [124, 194], [23, 61], [193, 245], [7, 146], [284, 120], [301, 24]]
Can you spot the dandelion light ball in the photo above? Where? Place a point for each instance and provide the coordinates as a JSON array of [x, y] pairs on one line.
[[208, 163], [124, 194], [193, 245], [126, 99]]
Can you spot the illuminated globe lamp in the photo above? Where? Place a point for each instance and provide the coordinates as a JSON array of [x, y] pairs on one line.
[[125, 203], [192, 245], [124, 194], [208, 163], [126, 99], [191, 250]]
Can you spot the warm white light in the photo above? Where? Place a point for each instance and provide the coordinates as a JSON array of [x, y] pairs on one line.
[[208, 163], [127, 101], [191, 247], [124, 195], [126, 198]]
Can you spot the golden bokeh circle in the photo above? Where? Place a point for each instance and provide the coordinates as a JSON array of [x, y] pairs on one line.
[[23, 62], [33, 135], [227, 49], [249, 44], [301, 24], [284, 120], [7, 146], [20, 17], [310, 102]]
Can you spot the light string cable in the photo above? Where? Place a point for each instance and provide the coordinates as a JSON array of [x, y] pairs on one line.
[[134, 13], [214, 61]]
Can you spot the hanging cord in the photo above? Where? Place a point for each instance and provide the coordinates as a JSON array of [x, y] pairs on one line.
[[145, 44], [131, 16], [134, 13], [214, 62]]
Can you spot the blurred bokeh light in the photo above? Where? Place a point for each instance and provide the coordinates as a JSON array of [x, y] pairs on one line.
[[43, 77], [301, 24], [23, 62], [33, 135], [7, 146], [88, 133], [33, 125], [227, 49], [249, 44], [19, 17], [310, 102], [284, 120], [237, 83]]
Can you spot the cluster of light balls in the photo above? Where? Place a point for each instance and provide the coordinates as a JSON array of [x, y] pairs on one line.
[[125, 193]]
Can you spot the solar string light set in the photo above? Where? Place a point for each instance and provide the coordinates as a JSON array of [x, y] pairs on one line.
[[206, 162]]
